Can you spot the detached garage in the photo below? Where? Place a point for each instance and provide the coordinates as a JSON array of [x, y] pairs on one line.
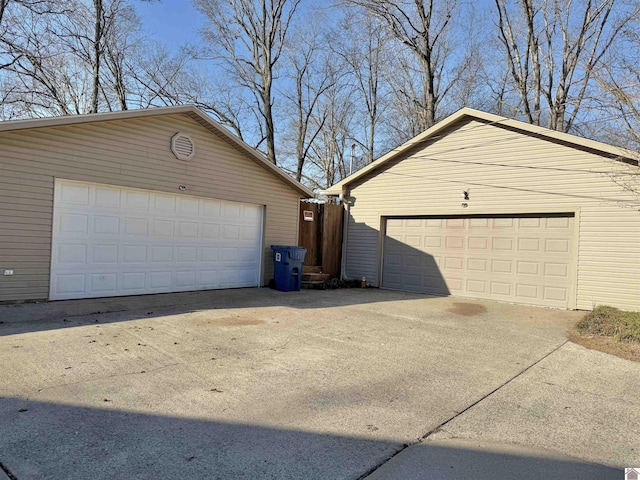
[[486, 207], [137, 202]]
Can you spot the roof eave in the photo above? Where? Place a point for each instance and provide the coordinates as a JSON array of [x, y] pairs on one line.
[[32, 123]]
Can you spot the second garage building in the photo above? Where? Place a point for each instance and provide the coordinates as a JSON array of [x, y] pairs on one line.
[[487, 207]]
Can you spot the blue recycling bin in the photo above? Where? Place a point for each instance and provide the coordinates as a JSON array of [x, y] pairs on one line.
[[288, 262]]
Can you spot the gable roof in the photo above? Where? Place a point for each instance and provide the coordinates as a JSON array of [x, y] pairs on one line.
[[190, 110], [491, 119]]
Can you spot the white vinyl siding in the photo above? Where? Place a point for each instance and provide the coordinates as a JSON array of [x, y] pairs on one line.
[[508, 172], [132, 153]]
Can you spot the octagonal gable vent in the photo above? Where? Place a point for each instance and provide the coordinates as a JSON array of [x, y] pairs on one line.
[[182, 146]]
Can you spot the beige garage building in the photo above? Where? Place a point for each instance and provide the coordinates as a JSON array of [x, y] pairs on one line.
[[486, 207], [136, 202]]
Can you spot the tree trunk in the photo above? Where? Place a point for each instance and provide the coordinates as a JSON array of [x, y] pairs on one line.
[[97, 55]]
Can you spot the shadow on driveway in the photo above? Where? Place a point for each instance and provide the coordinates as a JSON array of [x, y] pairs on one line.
[[34, 317], [43, 440]]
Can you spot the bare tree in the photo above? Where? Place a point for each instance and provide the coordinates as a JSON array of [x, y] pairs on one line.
[[70, 60], [423, 27], [312, 72], [328, 156], [553, 47], [33, 75], [252, 35], [99, 33], [13, 12], [364, 46]]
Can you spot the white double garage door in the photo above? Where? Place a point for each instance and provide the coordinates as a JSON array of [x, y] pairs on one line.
[[111, 241], [526, 259]]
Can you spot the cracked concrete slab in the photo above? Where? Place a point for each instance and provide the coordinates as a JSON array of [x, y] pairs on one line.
[[249, 383]]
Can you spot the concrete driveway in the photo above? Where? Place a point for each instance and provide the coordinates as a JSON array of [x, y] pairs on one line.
[[256, 383]]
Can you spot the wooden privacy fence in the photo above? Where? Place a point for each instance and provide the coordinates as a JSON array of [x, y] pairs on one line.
[[320, 233]]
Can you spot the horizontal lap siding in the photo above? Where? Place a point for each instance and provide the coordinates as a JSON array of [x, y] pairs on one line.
[[362, 247], [509, 172], [129, 153]]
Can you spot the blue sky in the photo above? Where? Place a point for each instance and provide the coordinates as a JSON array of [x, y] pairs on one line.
[[171, 22], [176, 22]]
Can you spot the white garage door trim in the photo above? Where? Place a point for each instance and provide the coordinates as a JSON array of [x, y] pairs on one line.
[[112, 241], [528, 272]]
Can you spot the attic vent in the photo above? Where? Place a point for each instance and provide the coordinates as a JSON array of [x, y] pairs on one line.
[[182, 146]]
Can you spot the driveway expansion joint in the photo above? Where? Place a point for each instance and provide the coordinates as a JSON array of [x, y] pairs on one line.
[[7, 472], [450, 419]]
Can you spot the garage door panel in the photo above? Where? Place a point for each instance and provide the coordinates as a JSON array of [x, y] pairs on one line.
[[478, 287], [528, 244], [454, 263], [528, 268], [209, 254], [502, 244], [164, 203], [70, 254], [394, 280], [556, 270], [477, 264], [530, 292], [501, 266], [525, 259], [478, 243], [69, 283], [559, 223], [481, 223], [104, 254], [73, 223], [529, 223], [160, 280], [501, 288], [211, 208], [106, 225], [454, 242], [119, 241], [104, 283], [74, 194], [453, 223], [557, 245]]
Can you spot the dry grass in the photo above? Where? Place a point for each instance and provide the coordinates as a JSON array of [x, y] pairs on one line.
[[610, 330]]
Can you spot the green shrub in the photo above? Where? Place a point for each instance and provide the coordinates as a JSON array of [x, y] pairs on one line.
[[631, 332], [603, 320], [610, 322]]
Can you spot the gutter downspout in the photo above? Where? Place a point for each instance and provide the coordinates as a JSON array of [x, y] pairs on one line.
[[345, 231]]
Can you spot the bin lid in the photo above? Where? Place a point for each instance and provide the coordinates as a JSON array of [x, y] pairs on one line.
[[287, 247]]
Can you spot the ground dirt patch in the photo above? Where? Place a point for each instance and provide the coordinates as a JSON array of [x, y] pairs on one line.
[[626, 350], [467, 309]]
